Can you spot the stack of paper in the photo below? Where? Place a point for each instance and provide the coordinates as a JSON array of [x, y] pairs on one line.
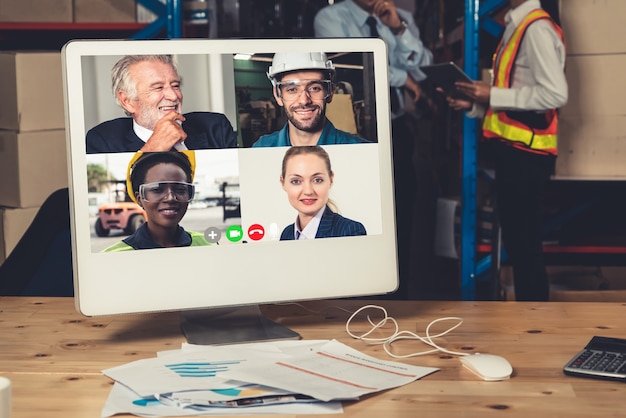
[[285, 377]]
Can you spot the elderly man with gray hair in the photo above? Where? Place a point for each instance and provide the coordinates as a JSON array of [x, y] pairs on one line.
[[148, 88]]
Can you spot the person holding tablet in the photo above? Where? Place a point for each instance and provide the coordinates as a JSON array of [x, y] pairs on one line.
[[303, 85], [520, 120], [307, 178], [148, 88], [162, 184]]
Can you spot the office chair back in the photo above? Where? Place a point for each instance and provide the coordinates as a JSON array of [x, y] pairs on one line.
[[41, 262]]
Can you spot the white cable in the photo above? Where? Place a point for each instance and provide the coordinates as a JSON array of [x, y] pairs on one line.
[[397, 335], [402, 335]]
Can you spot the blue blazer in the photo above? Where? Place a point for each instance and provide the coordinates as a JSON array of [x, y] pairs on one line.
[[204, 130], [331, 225]]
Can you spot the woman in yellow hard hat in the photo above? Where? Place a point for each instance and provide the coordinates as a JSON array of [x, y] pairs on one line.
[[162, 184]]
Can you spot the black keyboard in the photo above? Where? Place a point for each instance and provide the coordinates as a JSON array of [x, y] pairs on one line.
[[602, 358]]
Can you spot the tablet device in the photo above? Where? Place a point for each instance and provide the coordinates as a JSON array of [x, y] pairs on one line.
[[444, 75]]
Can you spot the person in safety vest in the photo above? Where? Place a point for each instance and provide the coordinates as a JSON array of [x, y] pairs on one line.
[[303, 85], [162, 184], [520, 120]]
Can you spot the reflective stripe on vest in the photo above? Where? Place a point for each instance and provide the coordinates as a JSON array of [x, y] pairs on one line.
[[499, 124]]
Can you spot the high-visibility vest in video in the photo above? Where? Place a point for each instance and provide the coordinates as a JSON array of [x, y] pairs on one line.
[[529, 130]]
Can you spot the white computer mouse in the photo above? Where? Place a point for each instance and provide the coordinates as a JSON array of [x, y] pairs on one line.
[[488, 367]]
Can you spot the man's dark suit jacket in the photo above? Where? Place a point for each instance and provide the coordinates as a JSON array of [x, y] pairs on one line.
[[332, 225], [204, 130]]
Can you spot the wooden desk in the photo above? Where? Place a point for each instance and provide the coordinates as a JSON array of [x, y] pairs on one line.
[[54, 356]]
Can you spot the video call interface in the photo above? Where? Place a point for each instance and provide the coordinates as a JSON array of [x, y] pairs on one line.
[[239, 194]]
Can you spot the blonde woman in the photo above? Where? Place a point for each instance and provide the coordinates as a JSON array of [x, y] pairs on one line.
[[307, 178]]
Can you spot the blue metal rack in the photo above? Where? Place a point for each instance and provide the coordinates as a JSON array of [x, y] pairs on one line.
[[169, 18], [476, 18]]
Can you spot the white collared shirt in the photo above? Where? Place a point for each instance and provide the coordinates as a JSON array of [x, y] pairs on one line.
[[310, 230], [406, 51], [538, 81], [144, 134]]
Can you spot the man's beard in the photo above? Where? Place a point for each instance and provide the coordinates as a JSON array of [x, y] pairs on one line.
[[149, 116], [314, 125]]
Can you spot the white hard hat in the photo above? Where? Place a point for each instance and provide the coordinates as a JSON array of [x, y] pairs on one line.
[[294, 61]]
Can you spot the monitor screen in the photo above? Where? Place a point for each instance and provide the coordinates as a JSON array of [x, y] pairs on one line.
[[246, 195]]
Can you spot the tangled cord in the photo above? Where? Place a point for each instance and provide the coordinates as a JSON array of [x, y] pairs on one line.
[[402, 335]]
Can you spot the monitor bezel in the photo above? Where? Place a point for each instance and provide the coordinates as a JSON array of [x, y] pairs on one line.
[[143, 281]]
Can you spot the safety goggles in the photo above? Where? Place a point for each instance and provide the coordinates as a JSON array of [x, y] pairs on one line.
[[315, 89], [159, 191]]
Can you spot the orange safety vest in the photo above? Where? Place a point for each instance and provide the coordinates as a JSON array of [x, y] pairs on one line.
[[528, 130]]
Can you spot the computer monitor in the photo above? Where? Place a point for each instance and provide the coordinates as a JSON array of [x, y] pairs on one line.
[[240, 205]]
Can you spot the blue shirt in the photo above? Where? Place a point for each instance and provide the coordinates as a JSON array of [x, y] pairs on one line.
[[330, 136], [406, 51]]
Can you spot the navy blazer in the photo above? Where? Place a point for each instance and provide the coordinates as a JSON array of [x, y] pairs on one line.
[[331, 225], [204, 130]]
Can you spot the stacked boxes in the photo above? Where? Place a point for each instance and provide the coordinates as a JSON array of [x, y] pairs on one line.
[[106, 11], [58, 11], [33, 161], [593, 123], [578, 284], [67, 11]]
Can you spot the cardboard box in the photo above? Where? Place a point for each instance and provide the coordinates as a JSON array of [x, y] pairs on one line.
[[31, 87], [36, 11], [13, 224], [105, 11], [32, 166], [587, 284], [592, 126], [341, 113], [593, 27], [595, 85], [592, 146], [576, 284]]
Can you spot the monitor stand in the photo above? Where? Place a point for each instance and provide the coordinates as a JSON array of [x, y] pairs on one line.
[[242, 324]]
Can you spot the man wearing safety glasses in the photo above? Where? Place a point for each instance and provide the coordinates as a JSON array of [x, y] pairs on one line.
[[303, 85]]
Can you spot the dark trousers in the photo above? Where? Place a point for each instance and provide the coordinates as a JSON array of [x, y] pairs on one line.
[[521, 181], [403, 140]]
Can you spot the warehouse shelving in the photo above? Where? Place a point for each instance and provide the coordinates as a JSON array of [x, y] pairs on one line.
[[52, 35], [475, 11], [481, 262]]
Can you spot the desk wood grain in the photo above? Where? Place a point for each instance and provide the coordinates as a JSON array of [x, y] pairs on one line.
[[54, 355]]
